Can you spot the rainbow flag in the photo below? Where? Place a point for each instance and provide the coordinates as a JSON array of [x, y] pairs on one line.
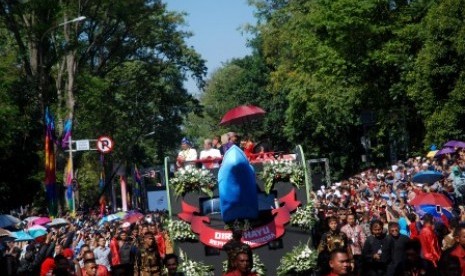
[[50, 168], [68, 179]]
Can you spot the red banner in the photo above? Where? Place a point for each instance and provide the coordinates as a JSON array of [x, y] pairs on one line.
[[255, 237]]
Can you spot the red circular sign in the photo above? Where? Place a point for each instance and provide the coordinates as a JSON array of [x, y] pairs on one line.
[[104, 144]]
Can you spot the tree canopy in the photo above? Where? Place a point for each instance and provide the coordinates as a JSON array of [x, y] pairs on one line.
[[119, 72]]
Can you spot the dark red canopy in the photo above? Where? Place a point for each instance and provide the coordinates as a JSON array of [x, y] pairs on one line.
[[242, 114]]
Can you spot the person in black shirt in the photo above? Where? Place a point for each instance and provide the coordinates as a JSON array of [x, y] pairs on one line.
[[376, 251], [397, 244]]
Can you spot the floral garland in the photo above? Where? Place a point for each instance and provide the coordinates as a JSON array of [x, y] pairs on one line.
[[282, 170], [304, 217], [193, 179], [179, 230], [193, 268], [258, 265], [300, 261]]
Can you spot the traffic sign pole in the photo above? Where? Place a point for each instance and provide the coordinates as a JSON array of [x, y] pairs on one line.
[[71, 171]]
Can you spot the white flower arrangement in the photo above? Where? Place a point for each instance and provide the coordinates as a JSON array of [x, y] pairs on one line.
[[193, 268], [258, 265], [304, 217], [179, 230], [300, 261], [282, 170], [193, 179]]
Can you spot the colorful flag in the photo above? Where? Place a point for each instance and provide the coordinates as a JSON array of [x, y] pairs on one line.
[[101, 181], [68, 179], [50, 169], [66, 134]]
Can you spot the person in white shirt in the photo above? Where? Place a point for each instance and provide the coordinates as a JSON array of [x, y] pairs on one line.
[[102, 254], [187, 153], [210, 156]]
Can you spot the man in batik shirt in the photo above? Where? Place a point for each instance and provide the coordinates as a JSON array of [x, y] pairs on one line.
[[356, 238]]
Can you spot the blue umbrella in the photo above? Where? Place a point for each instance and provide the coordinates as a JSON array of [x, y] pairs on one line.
[[21, 236], [37, 233], [428, 177], [8, 221], [109, 218], [431, 209]]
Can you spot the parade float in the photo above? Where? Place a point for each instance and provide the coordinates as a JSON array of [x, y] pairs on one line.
[[273, 208]]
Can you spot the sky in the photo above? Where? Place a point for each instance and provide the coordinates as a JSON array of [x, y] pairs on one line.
[[215, 25]]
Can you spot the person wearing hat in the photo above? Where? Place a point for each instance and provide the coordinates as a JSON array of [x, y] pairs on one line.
[[148, 261], [186, 154]]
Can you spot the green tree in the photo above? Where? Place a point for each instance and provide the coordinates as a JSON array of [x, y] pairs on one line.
[[119, 72], [436, 82], [336, 61]]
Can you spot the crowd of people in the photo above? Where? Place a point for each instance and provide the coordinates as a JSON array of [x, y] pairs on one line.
[[82, 246], [368, 226]]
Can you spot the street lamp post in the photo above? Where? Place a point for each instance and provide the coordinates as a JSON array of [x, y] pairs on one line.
[[41, 54]]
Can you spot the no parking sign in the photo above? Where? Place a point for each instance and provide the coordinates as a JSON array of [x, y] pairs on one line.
[[104, 144]]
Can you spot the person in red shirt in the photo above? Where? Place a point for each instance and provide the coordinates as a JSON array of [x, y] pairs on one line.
[[339, 263], [429, 240], [453, 260], [412, 225], [241, 265]]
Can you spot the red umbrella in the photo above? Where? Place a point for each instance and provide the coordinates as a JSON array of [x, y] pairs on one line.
[[242, 114], [431, 199]]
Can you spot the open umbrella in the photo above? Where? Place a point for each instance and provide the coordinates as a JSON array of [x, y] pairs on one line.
[[443, 151], [4, 233], [431, 154], [35, 233], [29, 220], [121, 214], [8, 221], [428, 177], [41, 221], [36, 227], [242, 114], [455, 144], [58, 222], [133, 217], [431, 199], [109, 218], [431, 209], [21, 236]]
